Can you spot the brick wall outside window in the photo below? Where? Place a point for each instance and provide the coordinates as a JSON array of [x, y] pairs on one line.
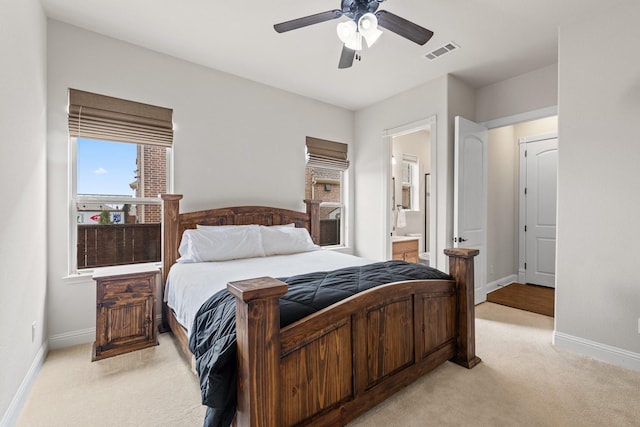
[[152, 180], [322, 184]]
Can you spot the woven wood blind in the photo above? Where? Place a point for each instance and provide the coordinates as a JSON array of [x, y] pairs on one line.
[[114, 119], [326, 154]]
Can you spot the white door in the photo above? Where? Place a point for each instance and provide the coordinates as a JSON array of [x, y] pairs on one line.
[[541, 197], [470, 196]]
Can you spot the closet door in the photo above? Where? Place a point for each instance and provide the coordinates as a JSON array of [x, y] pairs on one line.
[[541, 206]]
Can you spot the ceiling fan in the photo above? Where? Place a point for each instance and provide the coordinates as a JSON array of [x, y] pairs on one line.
[[365, 18]]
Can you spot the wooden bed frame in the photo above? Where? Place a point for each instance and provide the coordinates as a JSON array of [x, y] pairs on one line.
[[330, 367]]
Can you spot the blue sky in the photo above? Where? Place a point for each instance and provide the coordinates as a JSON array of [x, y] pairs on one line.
[[105, 167]]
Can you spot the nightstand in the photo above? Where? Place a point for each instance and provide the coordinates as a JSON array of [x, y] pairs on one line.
[[125, 309]]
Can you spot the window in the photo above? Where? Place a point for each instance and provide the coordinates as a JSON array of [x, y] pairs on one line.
[[410, 196], [118, 167], [325, 181], [326, 185]]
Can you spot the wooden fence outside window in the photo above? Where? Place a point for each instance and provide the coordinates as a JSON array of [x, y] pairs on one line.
[[118, 244]]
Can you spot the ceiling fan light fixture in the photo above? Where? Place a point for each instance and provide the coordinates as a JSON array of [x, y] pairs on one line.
[[349, 35], [355, 43], [368, 27], [346, 31]]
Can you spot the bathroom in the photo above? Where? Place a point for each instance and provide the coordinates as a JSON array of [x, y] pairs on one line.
[[410, 204]]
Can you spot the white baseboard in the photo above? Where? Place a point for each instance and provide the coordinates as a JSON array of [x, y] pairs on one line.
[[72, 338], [81, 336], [496, 284], [596, 350], [10, 417]]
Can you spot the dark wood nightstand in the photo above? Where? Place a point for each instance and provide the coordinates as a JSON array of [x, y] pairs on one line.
[[125, 309]]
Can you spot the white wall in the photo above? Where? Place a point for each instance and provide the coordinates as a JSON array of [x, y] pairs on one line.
[[371, 158], [502, 204], [236, 142], [23, 258], [598, 286], [531, 91], [460, 102]]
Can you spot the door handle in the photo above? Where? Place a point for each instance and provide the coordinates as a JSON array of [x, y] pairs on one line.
[[459, 239]]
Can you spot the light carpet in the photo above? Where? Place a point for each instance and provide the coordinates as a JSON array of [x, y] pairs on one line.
[[522, 381]]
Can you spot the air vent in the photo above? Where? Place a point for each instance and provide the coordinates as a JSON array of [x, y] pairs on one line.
[[451, 46]]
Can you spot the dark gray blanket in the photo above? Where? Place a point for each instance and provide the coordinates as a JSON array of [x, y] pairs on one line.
[[213, 340]]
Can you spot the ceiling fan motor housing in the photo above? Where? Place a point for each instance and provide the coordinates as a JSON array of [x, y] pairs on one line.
[[354, 9]]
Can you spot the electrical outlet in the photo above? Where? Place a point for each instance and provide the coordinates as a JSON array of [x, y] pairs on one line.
[[33, 331]]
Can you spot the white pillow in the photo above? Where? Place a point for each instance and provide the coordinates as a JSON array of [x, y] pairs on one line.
[[220, 244], [219, 227], [290, 225], [286, 240], [204, 226]]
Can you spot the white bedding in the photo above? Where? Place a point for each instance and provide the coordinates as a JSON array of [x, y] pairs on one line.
[[190, 285]]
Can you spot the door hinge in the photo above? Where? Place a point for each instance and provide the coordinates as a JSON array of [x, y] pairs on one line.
[[525, 265], [525, 228], [525, 191], [525, 153]]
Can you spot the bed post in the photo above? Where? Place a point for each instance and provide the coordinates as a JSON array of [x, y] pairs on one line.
[[461, 268], [313, 210], [258, 343], [170, 242]]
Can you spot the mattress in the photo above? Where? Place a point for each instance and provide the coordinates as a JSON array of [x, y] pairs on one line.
[[190, 285]]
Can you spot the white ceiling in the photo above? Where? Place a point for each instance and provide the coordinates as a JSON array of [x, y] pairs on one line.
[[499, 39]]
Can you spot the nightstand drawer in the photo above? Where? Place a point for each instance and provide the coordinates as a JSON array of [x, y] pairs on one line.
[[118, 288]]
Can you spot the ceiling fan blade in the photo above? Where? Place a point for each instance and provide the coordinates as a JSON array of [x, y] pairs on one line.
[[346, 57], [307, 20], [404, 28]]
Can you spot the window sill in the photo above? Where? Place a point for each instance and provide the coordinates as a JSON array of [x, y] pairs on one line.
[[86, 276], [81, 278]]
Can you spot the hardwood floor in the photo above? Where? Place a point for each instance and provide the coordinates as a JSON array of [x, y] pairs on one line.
[[537, 299]]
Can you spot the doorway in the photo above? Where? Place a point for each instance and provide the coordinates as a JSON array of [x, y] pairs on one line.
[[411, 182], [506, 246]]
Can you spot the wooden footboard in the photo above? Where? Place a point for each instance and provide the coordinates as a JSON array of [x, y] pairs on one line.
[[330, 367]]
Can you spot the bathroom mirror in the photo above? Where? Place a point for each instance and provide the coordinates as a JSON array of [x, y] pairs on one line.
[[410, 183]]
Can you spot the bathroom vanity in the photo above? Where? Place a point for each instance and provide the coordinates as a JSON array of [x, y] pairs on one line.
[[405, 248]]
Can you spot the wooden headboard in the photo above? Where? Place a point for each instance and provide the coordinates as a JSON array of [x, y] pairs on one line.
[[174, 223]]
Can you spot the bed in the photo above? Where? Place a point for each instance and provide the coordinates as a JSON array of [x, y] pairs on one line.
[[330, 366]]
